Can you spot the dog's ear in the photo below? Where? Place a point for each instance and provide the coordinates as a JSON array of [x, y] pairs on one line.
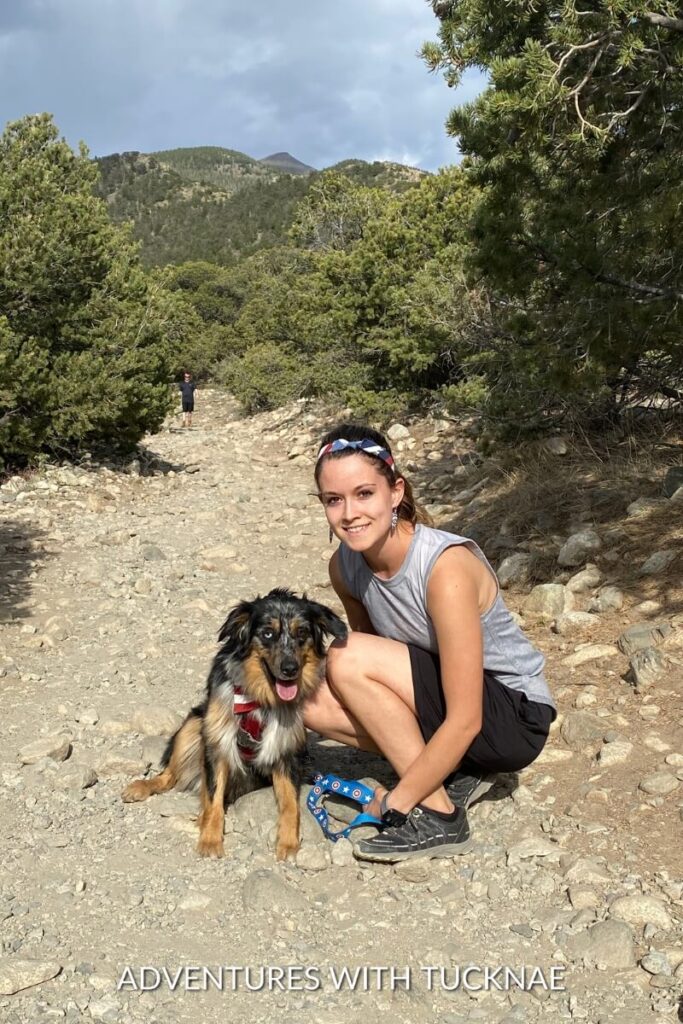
[[236, 630], [324, 620]]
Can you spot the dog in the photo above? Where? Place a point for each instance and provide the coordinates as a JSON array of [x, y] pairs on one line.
[[249, 729]]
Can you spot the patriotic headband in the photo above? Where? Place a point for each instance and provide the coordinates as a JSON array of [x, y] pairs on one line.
[[366, 445]]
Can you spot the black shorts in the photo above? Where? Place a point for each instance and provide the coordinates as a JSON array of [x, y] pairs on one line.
[[188, 406], [514, 728]]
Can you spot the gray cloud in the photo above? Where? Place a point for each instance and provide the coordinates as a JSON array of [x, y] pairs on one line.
[[324, 81]]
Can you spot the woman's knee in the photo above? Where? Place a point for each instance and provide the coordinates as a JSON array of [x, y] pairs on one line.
[[344, 662]]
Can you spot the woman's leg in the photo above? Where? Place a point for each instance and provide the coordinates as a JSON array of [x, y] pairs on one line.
[[369, 697]]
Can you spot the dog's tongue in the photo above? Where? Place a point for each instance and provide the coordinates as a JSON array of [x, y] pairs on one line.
[[285, 690]]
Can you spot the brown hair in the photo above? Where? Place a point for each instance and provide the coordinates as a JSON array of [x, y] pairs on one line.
[[408, 510]]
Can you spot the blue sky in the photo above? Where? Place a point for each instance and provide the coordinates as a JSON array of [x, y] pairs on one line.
[[325, 81]]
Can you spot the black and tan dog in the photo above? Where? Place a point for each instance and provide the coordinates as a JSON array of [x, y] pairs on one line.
[[250, 728]]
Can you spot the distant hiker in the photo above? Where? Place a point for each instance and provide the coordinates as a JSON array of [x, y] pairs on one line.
[[187, 389]]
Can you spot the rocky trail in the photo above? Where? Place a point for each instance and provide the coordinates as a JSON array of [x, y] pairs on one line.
[[113, 585]]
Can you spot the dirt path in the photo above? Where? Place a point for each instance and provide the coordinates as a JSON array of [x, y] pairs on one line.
[[113, 588]]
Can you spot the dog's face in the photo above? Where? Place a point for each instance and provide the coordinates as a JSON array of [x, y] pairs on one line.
[[280, 638]]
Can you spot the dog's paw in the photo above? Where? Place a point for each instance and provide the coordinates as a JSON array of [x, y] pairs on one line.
[[286, 851], [135, 792], [210, 848]]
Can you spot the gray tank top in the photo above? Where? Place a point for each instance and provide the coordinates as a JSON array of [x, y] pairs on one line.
[[398, 609]]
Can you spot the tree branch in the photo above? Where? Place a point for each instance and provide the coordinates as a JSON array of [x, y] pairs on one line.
[[675, 24]]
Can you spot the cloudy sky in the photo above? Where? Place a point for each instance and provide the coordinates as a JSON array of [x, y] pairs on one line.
[[323, 80]]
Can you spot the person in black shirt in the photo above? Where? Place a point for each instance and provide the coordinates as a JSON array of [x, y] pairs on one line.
[[187, 389]]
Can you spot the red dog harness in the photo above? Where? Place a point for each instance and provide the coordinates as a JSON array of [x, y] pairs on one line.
[[248, 722]]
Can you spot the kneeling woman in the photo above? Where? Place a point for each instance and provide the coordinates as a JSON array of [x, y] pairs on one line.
[[436, 675]]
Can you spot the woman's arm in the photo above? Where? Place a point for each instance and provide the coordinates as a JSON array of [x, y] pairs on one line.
[[359, 620], [453, 604]]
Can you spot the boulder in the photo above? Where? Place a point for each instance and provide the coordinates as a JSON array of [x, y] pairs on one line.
[[579, 547]]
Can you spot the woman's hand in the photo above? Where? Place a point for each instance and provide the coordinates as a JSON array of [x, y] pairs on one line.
[[374, 806]]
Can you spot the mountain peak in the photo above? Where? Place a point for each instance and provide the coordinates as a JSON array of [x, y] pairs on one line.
[[287, 162]]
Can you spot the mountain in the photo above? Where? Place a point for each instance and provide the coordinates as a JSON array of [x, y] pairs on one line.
[[209, 203], [288, 163]]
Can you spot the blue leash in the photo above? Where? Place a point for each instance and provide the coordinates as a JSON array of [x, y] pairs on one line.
[[351, 790]]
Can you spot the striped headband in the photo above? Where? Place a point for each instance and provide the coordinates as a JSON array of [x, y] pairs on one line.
[[366, 445]]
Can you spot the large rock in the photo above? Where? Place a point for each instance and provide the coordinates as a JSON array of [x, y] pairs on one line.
[[574, 622], [642, 635], [587, 579], [155, 720], [397, 432], [641, 910], [608, 942], [548, 600], [591, 652], [515, 568], [608, 599], [644, 668], [579, 547], [659, 784], [581, 728], [617, 752], [17, 975], [673, 480], [58, 747], [658, 562]]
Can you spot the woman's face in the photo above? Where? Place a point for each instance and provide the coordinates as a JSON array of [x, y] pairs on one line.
[[358, 500]]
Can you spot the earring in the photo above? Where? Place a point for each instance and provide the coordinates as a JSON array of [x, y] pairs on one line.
[[331, 535], [394, 519]]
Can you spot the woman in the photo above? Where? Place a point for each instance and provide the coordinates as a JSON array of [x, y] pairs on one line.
[[436, 676]]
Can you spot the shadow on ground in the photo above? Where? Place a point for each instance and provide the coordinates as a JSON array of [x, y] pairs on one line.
[[20, 552]]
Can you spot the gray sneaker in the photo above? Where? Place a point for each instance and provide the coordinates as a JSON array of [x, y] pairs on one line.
[[464, 787], [423, 834]]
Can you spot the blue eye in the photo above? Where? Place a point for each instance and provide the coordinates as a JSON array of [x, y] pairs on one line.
[[267, 634]]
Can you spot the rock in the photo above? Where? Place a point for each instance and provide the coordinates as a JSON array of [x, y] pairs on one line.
[[581, 727], [417, 869], [556, 445], [18, 974], [656, 963], [264, 891], [122, 761], [312, 858], [573, 622], [657, 563], [107, 1010], [608, 942], [659, 783], [397, 432], [591, 652], [615, 753], [342, 853], [641, 506], [582, 898], [196, 901], [608, 599], [88, 716], [587, 579], [152, 553], [675, 760], [644, 667], [548, 600], [586, 869], [578, 547], [677, 497], [155, 720], [515, 568], [75, 776], [58, 747], [673, 480], [641, 910], [642, 635], [533, 847]]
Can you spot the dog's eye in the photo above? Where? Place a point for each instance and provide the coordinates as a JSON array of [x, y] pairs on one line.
[[303, 633], [267, 633]]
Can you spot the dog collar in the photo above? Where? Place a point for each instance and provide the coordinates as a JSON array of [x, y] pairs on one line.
[[248, 723]]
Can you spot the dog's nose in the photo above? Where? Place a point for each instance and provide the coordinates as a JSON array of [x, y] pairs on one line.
[[289, 667]]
